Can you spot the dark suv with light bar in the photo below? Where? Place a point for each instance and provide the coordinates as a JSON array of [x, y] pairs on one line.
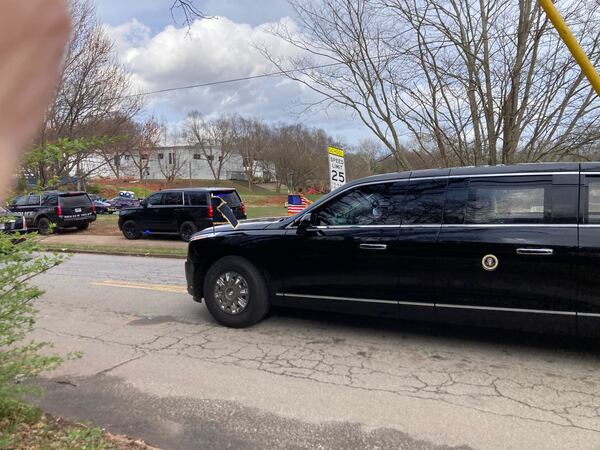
[[180, 212], [61, 209]]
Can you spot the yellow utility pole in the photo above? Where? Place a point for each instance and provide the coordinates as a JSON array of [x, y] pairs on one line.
[[567, 36]]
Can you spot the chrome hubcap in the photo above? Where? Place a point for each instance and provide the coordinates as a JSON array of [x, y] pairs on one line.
[[231, 292]]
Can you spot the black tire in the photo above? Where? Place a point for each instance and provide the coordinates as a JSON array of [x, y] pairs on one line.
[[257, 297], [83, 226], [187, 229], [44, 226], [130, 230]]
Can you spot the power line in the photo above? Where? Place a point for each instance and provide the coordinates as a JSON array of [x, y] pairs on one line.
[[232, 80]]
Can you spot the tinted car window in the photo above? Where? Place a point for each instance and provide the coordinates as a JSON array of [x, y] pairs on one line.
[[172, 198], [33, 200], [195, 199], [423, 202], [51, 200], [71, 201], [455, 208], [508, 200], [230, 197], [365, 205], [21, 201], [594, 202], [155, 199]]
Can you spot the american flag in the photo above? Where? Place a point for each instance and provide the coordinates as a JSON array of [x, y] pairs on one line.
[[296, 203]]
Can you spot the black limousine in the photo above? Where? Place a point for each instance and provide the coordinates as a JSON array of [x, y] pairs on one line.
[[505, 246]]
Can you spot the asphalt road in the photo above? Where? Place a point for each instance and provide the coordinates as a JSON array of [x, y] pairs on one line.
[[157, 367]]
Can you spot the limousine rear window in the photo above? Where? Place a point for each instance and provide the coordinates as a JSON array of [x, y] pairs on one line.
[[594, 202]]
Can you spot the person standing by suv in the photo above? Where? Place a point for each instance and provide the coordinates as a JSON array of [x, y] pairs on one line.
[[62, 209], [180, 212]]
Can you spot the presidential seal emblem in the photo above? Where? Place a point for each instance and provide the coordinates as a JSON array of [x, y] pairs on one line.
[[490, 262]]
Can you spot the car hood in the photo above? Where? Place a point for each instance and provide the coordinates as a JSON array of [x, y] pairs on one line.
[[245, 225]]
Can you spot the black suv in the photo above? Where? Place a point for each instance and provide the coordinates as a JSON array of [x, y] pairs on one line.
[[179, 211], [64, 209]]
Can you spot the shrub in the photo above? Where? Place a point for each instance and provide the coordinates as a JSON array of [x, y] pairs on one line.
[[20, 359]]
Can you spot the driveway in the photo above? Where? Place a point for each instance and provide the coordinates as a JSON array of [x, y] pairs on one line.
[[157, 367]]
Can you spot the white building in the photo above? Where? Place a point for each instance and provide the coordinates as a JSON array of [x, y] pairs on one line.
[[180, 162]]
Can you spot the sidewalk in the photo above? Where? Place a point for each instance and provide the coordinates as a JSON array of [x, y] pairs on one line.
[[115, 245]]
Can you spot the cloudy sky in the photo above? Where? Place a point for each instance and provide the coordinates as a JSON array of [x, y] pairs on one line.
[[161, 52]]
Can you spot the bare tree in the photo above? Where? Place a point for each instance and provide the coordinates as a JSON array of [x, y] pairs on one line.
[[92, 99], [171, 164], [188, 9], [463, 81], [215, 139], [299, 156], [251, 140], [141, 147]]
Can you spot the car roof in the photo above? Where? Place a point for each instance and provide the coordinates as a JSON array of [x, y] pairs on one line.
[[474, 170], [199, 189]]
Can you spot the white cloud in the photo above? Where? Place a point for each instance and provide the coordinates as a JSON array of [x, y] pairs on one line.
[[214, 50]]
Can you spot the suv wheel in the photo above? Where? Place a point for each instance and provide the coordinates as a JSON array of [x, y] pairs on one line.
[[44, 226], [83, 226], [235, 292], [187, 229], [130, 230]]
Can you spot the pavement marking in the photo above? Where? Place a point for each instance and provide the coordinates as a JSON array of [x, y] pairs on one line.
[[151, 287]]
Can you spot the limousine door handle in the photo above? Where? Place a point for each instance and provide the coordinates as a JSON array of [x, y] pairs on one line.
[[535, 251], [373, 246]]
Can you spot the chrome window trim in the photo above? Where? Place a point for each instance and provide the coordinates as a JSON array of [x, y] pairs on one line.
[[348, 299], [584, 314], [452, 225], [440, 177], [499, 308], [440, 305]]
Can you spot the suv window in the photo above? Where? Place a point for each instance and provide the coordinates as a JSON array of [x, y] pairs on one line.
[[21, 201], [33, 200], [155, 199], [364, 205], [50, 200], [172, 199], [195, 199], [230, 197], [71, 201], [423, 202], [508, 200]]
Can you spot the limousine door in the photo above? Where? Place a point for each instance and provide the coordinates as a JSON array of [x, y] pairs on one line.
[[588, 315], [346, 258], [508, 252]]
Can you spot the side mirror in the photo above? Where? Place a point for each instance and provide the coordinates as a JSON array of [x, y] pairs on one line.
[[144, 203], [305, 222]]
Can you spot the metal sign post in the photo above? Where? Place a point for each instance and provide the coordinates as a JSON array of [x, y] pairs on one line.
[[566, 35], [337, 167]]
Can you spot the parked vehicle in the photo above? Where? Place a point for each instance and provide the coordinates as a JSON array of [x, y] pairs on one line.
[[63, 209], [178, 211], [509, 246], [101, 204], [118, 203], [11, 223]]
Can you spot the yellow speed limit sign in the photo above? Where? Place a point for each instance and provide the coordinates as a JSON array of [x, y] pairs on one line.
[[337, 167]]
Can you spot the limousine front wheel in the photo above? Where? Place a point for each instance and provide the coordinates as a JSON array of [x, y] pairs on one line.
[[235, 292]]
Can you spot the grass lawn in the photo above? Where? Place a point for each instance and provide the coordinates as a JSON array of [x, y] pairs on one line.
[[147, 250]]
